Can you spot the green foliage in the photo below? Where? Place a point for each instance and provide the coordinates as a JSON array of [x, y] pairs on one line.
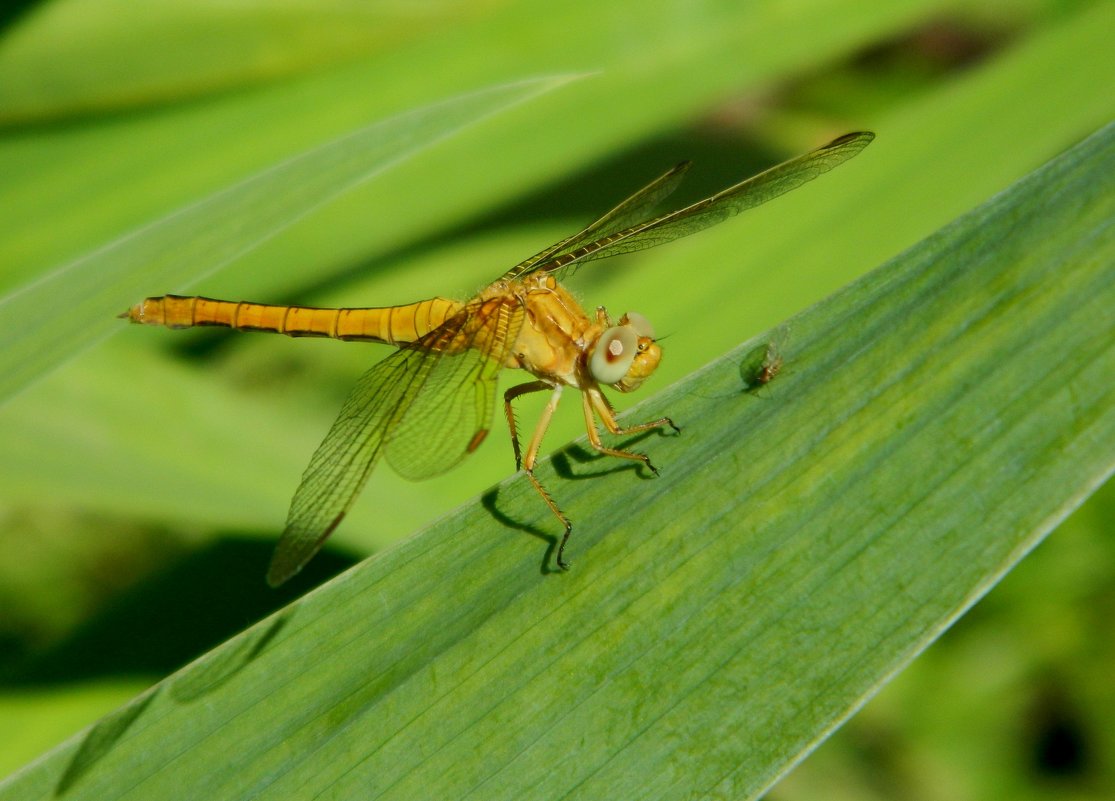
[[721, 619], [198, 441]]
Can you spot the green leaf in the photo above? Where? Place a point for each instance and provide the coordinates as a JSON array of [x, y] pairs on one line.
[[152, 428], [930, 424], [77, 303]]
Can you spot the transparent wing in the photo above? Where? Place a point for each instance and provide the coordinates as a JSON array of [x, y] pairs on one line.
[[342, 463], [626, 214], [411, 383], [747, 194], [453, 413]]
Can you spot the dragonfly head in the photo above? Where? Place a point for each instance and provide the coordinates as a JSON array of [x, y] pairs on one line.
[[625, 355]]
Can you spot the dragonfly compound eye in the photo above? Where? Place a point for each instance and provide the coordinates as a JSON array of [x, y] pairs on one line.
[[625, 356], [613, 354]]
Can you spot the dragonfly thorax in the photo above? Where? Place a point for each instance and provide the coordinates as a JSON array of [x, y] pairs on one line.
[[560, 344]]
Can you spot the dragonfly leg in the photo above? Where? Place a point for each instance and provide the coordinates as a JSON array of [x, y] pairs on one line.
[[595, 404], [532, 455], [608, 417], [565, 522], [509, 410]]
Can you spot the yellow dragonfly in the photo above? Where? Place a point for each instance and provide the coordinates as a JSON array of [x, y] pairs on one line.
[[429, 404]]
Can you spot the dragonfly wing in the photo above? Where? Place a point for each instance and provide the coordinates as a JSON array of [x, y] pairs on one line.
[[747, 194], [626, 214], [453, 413], [426, 406], [342, 463]]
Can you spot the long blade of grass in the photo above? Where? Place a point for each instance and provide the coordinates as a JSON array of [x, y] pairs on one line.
[[46, 322], [930, 424]]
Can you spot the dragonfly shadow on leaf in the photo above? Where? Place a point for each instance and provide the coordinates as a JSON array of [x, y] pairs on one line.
[[562, 466], [562, 461], [489, 500]]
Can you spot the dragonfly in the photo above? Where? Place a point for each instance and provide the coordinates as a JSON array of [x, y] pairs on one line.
[[430, 403]]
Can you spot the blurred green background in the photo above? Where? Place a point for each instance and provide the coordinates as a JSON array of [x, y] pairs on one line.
[[142, 484]]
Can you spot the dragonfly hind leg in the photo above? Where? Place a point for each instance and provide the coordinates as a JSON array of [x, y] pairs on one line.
[[526, 461]]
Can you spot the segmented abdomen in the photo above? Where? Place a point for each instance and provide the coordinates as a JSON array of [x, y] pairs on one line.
[[393, 325]]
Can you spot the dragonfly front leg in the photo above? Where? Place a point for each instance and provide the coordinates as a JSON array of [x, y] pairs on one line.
[[596, 405], [527, 461]]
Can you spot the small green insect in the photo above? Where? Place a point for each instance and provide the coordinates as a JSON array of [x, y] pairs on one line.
[[760, 366]]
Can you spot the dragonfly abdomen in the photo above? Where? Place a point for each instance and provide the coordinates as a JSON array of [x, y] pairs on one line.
[[393, 325]]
